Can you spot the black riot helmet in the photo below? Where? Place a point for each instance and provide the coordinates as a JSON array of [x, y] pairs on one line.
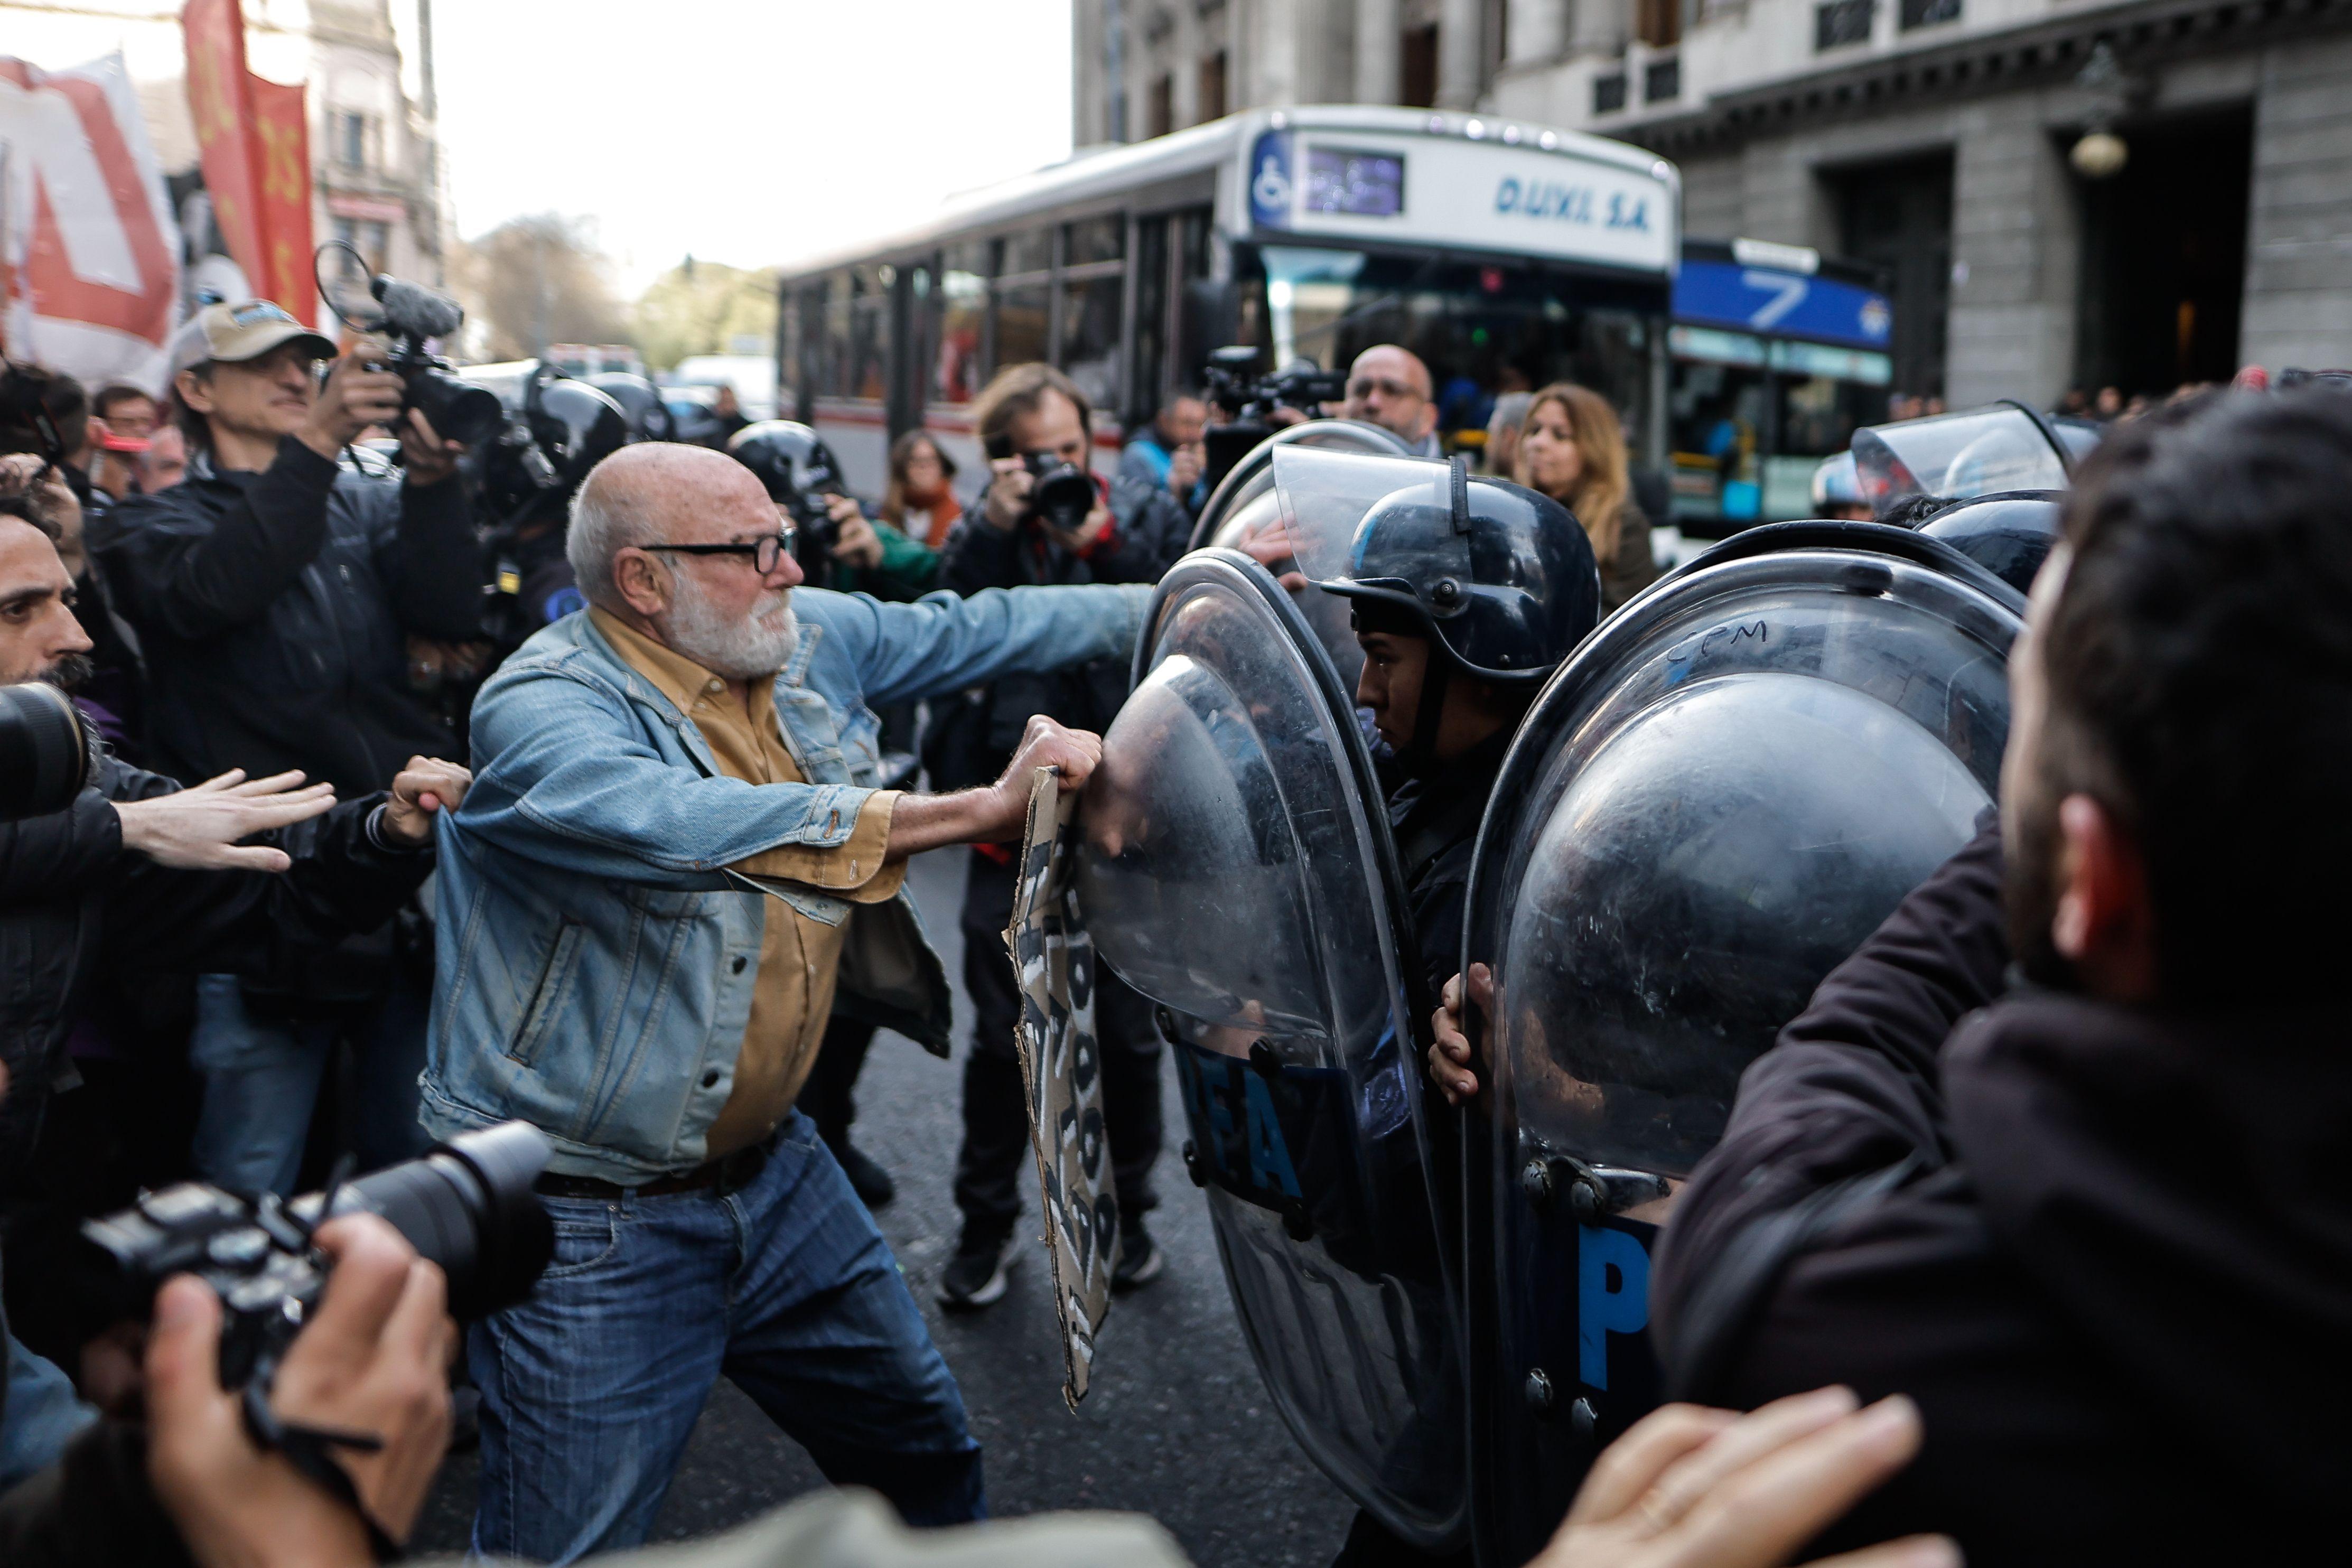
[[795, 465], [557, 430], [641, 403], [2009, 534], [1499, 579]]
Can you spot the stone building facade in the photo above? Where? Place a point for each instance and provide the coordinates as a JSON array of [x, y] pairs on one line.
[[1934, 140]]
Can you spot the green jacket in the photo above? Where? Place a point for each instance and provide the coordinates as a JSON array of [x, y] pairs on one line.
[[909, 568]]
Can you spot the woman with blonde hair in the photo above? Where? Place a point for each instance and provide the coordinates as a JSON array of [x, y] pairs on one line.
[[1572, 449]]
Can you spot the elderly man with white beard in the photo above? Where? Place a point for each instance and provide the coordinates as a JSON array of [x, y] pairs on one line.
[[672, 852]]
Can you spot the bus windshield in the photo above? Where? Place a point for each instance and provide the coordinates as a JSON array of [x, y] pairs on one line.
[[1481, 326]]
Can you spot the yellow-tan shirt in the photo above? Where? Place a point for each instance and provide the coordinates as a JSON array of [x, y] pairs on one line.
[[799, 957]]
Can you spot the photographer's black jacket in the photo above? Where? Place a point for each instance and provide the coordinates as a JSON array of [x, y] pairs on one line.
[[275, 610], [1149, 532], [2112, 1265], [74, 905]]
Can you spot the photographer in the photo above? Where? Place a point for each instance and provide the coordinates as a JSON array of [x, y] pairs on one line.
[[1032, 419], [275, 592], [1389, 387], [1168, 452]]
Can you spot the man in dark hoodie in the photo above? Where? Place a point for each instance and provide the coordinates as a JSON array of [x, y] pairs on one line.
[[2093, 1211]]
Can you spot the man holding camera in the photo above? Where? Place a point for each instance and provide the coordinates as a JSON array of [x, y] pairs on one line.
[[275, 592], [1037, 429]]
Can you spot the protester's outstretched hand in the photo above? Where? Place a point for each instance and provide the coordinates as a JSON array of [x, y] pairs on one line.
[[1449, 1052], [426, 786], [198, 829], [1689, 1488], [374, 1359]]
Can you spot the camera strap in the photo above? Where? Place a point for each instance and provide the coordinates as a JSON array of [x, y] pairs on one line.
[[308, 1450]]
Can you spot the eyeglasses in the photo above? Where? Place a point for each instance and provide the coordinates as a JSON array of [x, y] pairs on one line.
[[764, 550], [1365, 386]]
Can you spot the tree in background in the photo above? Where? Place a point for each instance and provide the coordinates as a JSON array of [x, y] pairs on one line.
[[532, 281], [704, 308]]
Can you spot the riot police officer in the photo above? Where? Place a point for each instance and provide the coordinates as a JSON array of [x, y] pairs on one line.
[[1465, 598], [557, 430]]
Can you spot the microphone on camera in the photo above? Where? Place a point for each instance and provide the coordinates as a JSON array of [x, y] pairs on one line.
[[414, 310]]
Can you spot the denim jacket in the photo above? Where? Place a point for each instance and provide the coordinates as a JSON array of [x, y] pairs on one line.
[[597, 955]]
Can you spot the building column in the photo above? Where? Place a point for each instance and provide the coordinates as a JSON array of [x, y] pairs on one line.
[[2298, 303], [1460, 53], [1379, 28]]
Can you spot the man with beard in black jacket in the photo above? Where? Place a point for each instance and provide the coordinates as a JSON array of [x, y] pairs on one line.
[[276, 593], [1135, 532], [2092, 1210], [139, 878]]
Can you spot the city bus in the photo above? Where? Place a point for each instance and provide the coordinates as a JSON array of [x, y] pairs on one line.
[[1780, 354], [1505, 254]]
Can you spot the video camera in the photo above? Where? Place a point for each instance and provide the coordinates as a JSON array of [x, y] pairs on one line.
[[1250, 400], [457, 410], [467, 1206]]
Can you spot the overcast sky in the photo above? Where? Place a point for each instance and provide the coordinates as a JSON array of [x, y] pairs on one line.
[[747, 132]]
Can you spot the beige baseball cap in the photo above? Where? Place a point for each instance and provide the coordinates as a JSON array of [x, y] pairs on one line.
[[236, 333]]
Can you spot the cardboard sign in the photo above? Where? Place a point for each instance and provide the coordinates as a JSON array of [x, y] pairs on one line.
[[1061, 1064]]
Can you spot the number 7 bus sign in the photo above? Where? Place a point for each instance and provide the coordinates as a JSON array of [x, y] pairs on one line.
[[90, 257]]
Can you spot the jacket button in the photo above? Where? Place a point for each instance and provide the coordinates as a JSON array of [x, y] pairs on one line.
[[739, 964], [710, 1079]]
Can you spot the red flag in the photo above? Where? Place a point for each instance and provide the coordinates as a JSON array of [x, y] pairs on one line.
[[282, 212], [256, 156]]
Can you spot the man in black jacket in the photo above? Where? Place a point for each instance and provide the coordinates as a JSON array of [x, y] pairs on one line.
[[138, 877], [276, 594], [2096, 1219], [1133, 535]]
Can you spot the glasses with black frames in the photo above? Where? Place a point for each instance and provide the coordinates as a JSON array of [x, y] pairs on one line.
[[764, 550]]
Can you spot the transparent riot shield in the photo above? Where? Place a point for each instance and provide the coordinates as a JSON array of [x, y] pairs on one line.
[[1254, 474], [1951, 456], [1245, 510], [1238, 870], [1711, 804]]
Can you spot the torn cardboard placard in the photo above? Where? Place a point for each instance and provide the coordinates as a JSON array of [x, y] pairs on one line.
[[1061, 1063]]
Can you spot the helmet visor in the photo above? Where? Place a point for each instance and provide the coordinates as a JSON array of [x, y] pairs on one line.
[[1324, 496], [1955, 456]]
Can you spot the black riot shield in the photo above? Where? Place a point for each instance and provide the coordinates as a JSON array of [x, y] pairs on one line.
[[1712, 803], [1237, 869]]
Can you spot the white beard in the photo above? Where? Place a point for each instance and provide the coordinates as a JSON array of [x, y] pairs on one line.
[[733, 650]]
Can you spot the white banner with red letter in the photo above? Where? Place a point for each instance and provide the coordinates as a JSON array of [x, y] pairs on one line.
[[90, 254]]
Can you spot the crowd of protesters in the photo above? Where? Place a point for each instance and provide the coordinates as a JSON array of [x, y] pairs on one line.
[[2054, 1164]]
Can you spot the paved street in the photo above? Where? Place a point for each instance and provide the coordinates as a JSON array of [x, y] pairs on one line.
[[1178, 1423]]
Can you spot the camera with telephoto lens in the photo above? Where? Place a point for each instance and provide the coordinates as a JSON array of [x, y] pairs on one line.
[[457, 410], [467, 1206], [48, 751], [1063, 494], [1249, 401]]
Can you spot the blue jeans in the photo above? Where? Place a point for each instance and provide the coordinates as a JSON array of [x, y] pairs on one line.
[[41, 1417], [591, 1388], [261, 1081]]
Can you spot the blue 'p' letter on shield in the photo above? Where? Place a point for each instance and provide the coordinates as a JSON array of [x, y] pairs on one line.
[[1612, 1296]]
